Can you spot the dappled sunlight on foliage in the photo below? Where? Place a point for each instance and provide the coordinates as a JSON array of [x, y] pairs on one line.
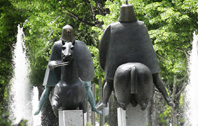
[[170, 25]]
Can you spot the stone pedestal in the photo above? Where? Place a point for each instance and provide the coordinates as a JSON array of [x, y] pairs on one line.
[[133, 116], [71, 118]]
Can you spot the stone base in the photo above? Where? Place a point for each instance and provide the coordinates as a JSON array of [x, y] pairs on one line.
[[133, 116], [71, 118]]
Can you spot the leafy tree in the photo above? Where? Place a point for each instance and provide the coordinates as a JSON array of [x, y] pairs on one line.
[[10, 17], [170, 25], [44, 25]]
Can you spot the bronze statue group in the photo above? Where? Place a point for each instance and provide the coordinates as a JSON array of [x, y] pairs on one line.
[[127, 57]]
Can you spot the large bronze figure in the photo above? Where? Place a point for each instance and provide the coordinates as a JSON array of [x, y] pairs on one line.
[[68, 75], [127, 41]]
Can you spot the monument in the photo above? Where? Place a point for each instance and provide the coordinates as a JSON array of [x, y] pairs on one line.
[[127, 57], [68, 76]]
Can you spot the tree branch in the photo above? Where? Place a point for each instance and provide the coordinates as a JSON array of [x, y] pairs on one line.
[[174, 87], [174, 94], [92, 9], [182, 89], [186, 53], [160, 56], [72, 15], [182, 78], [98, 10]]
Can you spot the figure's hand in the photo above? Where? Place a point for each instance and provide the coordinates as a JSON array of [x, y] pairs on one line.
[[97, 111], [101, 106], [52, 65]]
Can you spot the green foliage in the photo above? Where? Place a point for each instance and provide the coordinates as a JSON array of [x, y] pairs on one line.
[[170, 25], [10, 17], [44, 24], [4, 121], [22, 123], [171, 37], [98, 72], [114, 8], [163, 120]]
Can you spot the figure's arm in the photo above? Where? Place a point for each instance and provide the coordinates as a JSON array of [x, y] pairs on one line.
[[103, 47], [56, 63], [55, 57], [52, 74], [43, 99]]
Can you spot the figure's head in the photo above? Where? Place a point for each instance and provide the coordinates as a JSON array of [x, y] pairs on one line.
[[127, 13], [67, 51], [68, 34]]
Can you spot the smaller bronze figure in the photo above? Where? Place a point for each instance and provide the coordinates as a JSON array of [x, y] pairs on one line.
[[68, 75], [127, 41], [69, 93]]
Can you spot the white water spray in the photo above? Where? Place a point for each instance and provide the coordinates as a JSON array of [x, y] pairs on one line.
[[192, 88], [20, 104]]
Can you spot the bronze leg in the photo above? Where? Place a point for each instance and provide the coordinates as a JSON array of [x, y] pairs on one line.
[[160, 86]]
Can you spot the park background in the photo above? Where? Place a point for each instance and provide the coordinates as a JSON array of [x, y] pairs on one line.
[[170, 24]]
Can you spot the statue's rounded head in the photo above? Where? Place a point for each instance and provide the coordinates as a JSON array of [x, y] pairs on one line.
[[68, 33], [127, 13]]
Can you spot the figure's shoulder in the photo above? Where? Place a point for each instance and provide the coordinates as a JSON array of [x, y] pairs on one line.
[[141, 23], [121, 23], [58, 43], [79, 43], [114, 24], [107, 30]]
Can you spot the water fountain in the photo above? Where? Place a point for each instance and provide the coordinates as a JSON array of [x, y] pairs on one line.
[[22, 95], [192, 88]]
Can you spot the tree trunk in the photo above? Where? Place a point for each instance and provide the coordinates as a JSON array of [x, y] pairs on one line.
[[152, 112], [100, 99], [47, 116]]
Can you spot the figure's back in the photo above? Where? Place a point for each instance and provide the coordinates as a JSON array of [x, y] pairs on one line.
[[129, 42]]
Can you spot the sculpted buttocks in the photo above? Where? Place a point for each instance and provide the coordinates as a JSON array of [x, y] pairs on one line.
[[133, 83]]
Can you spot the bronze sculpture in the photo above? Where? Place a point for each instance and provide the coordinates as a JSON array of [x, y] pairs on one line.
[[73, 56], [69, 93], [127, 41]]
